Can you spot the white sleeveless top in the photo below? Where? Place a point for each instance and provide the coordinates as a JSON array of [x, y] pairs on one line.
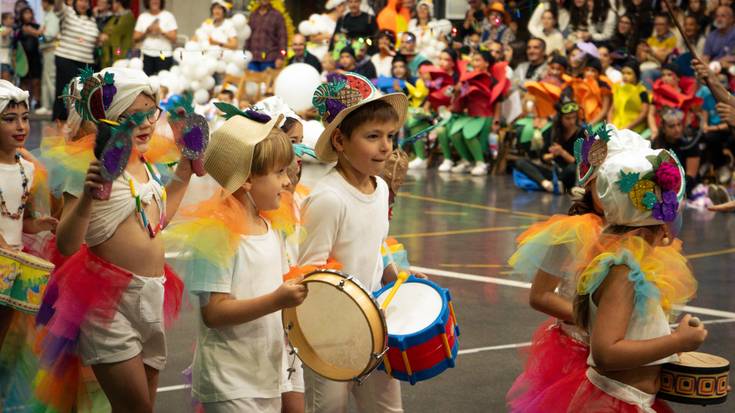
[[649, 326], [108, 215]]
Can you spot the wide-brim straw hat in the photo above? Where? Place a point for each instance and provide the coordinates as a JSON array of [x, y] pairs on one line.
[[342, 95], [229, 156]]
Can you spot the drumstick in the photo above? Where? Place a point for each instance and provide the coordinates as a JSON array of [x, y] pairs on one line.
[[694, 322], [670, 12], [402, 276]]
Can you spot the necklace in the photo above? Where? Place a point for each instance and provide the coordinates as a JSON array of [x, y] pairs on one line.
[[161, 202], [23, 199]]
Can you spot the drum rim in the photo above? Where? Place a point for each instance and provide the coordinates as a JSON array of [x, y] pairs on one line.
[[677, 367], [443, 314], [290, 313], [21, 257]]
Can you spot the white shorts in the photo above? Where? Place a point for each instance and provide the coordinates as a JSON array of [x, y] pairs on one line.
[[244, 405], [296, 382], [136, 328]]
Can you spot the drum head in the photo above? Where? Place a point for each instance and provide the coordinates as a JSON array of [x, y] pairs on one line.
[[334, 329], [414, 307]]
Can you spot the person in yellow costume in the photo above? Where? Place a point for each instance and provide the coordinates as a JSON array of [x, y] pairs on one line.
[[630, 99]]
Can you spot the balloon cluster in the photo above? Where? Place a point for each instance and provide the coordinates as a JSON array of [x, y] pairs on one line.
[[197, 63]]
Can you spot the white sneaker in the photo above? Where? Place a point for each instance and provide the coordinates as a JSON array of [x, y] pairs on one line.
[[418, 163], [462, 167], [446, 166], [480, 169], [42, 111]]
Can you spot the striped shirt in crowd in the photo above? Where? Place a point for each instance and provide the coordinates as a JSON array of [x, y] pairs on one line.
[[78, 36]]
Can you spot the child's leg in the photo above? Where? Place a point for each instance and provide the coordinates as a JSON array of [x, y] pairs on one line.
[[324, 395], [420, 148], [151, 376], [292, 402], [379, 393], [6, 318], [459, 143], [126, 385], [444, 144], [475, 148]]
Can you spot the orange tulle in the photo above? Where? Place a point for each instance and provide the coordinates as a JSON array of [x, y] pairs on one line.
[[661, 275], [560, 246], [589, 94], [545, 96], [297, 272]]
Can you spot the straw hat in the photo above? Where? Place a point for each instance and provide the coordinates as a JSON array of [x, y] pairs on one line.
[[342, 95], [229, 156]]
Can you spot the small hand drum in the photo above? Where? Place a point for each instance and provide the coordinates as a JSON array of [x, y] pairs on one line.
[[338, 331], [422, 330], [23, 279], [697, 378]]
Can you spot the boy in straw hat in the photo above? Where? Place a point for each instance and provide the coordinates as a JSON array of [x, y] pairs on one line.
[[236, 266], [346, 215]]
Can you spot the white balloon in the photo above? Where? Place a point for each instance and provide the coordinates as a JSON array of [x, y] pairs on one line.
[[201, 97], [234, 70], [244, 32], [136, 63], [208, 83], [248, 56], [164, 73], [200, 71], [296, 85], [155, 82], [195, 85], [176, 70], [214, 52], [221, 66], [191, 46], [122, 63], [211, 65], [239, 21]]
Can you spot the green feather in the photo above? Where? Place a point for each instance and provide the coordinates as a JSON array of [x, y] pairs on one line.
[[578, 149], [109, 78]]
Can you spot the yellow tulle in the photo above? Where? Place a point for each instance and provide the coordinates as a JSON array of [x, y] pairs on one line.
[[661, 275], [559, 246]]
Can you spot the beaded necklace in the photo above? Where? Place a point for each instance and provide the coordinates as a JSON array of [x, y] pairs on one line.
[[24, 198], [140, 210]]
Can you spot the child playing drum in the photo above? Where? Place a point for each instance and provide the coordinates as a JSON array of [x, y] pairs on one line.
[[626, 292], [236, 265], [16, 186], [346, 215]]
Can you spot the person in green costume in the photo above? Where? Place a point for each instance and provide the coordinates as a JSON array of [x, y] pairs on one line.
[[475, 112], [441, 81], [117, 35]]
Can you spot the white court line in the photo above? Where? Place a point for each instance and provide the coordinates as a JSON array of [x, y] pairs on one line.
[[521, 284], [492, 348]]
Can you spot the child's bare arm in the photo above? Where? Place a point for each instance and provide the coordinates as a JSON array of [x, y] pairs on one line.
[[223, 310], [77, 211], [543, 297], [611, 350], [176, 189]]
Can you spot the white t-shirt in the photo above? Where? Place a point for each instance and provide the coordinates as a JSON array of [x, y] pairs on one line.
[[222, 33], [246, 360], [153, 45], [382, 64], [11, 184], [345, 224]]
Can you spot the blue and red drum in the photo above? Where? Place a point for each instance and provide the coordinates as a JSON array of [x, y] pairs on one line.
[[422, 330]]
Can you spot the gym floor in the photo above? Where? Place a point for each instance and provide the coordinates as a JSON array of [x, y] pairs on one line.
[[460, 230]]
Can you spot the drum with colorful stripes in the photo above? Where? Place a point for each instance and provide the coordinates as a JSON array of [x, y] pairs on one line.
[[697, 378], [422, 330]]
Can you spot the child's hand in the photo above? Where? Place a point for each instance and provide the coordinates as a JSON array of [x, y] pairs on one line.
[[291, 293], [93, 181], [47, 223], [689, 337]]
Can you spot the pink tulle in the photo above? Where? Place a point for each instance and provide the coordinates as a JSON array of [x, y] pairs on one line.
[[85, 282], [590, 399], [553, 357]]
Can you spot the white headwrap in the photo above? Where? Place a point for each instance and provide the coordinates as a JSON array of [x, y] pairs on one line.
[[129, 84], [10, 93], [274, 106], [633, 191]]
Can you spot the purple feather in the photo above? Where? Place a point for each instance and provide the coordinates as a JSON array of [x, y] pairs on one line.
[[586, 145], [333, 108], [257, 116], [194, 139], [108, 93]]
